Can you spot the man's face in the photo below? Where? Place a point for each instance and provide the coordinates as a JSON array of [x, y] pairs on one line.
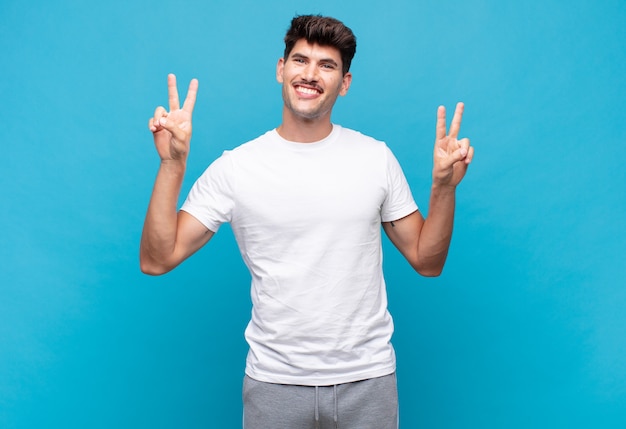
[[312, 79]]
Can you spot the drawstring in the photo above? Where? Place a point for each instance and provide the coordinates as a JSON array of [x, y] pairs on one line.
[[335, 414], [317, 407]]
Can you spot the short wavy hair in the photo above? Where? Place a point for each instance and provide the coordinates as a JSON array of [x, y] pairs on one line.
[[325, 31]]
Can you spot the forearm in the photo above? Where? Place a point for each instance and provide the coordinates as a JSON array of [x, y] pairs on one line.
[[425, 242], [436, 233], [158, 240]]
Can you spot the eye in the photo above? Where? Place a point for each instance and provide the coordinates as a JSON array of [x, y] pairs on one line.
[[328, 66]]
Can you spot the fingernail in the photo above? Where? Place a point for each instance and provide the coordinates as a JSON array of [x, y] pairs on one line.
[[162, 121]]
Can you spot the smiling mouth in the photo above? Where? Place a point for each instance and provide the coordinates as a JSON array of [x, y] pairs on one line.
[[308, 90]]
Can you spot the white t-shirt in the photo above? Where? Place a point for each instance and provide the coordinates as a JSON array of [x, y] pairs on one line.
[[307, 219]]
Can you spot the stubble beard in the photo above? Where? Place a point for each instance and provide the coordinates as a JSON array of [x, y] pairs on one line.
[[317, 111]]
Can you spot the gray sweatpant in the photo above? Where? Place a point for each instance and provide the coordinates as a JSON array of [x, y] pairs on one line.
[[365, 404]]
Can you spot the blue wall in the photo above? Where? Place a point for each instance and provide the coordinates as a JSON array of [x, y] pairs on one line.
[[526, 328]]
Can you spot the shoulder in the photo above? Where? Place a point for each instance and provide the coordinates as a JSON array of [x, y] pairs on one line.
[[240, 153], [263, 139], [349, 134], [252, 147], [365, 144]]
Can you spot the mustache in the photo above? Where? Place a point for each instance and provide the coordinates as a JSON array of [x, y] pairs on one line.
[[311, 84]]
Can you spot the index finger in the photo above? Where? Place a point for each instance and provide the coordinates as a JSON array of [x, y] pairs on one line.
[[172, 92], [190, 100], [440, 130], [455, 126]]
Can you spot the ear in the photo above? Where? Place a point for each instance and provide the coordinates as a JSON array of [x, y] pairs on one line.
[[345, 83], [279, 70]]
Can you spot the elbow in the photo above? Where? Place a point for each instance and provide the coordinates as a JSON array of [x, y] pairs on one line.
[[430, 265], [152, 268], [428, 270]]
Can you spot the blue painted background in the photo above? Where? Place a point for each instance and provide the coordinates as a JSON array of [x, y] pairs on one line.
[[526, 328]]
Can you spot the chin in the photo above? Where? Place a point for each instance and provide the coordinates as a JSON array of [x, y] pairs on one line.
[[304, 114]]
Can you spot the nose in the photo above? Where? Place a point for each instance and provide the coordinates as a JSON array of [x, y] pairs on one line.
[[309, 73]]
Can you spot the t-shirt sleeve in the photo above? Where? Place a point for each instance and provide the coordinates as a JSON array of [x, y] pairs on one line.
[[210, 199], [399, 201]]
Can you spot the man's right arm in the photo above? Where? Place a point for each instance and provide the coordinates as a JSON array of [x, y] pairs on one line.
[[169, 237]]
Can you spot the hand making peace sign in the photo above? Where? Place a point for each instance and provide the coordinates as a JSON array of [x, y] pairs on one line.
[[451, 156], [172, 130]]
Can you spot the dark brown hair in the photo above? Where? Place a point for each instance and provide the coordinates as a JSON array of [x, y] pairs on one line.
[[324, 31]]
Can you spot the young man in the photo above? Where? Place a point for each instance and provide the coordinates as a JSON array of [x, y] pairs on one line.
[[306, 202]]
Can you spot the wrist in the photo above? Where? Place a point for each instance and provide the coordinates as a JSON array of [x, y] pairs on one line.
[[441, 189], [174, 166]]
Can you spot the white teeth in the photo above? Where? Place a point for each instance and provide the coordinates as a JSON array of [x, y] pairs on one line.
[[307, 90]]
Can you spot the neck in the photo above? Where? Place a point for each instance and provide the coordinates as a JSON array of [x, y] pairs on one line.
[[304, 130]]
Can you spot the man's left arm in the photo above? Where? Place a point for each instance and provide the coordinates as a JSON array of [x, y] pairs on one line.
[[425, 242]]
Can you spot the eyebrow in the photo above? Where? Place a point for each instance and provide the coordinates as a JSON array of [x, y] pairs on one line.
[[323, 60]]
